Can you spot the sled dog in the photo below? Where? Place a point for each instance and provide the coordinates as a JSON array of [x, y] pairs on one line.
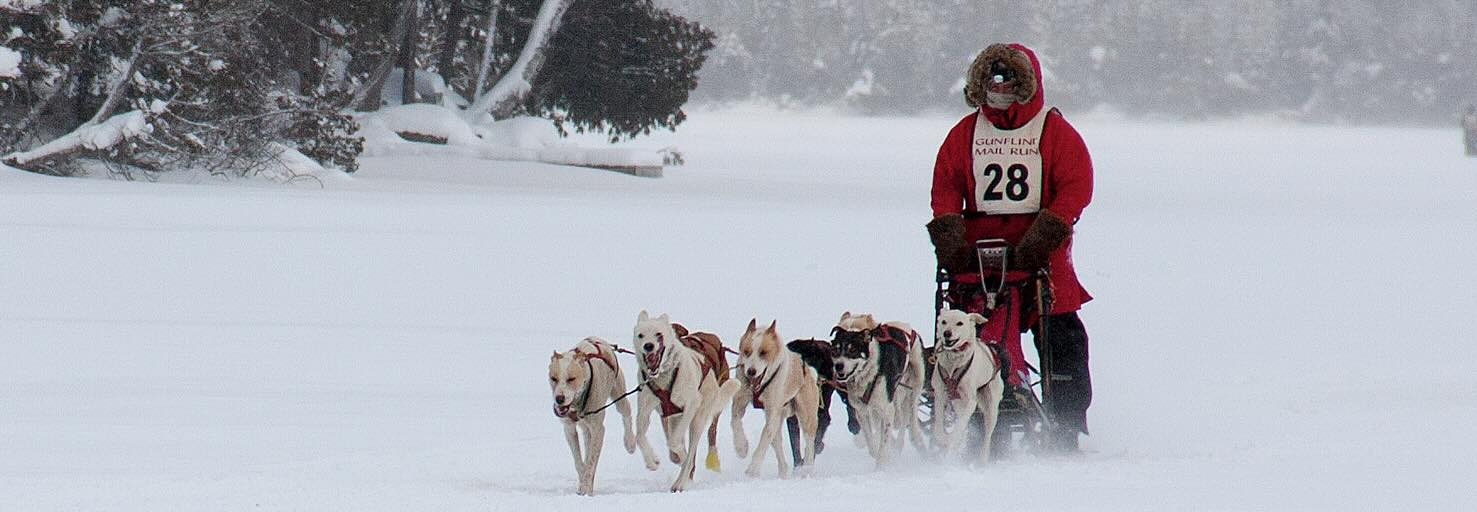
[[881, 367], [966, 377], [583, 381], [775, 380], [684, 384]]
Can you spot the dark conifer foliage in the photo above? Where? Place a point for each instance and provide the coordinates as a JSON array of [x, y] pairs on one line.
[[624, 68]]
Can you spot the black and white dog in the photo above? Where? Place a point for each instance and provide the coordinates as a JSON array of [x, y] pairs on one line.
[[880, 368]]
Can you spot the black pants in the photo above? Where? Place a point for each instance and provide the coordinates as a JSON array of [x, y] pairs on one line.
[[1071, 382]]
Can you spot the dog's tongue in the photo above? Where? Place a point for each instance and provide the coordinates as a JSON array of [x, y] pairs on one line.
[[560, 410]]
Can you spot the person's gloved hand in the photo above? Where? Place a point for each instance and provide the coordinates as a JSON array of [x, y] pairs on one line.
[[949, 245], [1046, 233]]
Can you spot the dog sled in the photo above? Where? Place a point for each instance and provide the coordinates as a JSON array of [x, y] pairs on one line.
[[1012, 301]]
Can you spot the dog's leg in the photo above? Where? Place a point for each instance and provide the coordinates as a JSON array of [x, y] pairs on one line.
[[676, 427], [915, 397], [963, 411], [991, 394], [688, 463], [823, 418], [807, 402], [645, 406], [594, 442], [885, 431], [736, 420], [940, 412], [702, 413], [774, 416], [624, 407], [711, 462], [778, 444], [572, 436]]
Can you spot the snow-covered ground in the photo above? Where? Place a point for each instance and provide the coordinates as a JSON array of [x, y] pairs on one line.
[[1284, 321]]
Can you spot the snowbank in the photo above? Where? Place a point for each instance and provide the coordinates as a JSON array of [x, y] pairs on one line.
[[517, 139]]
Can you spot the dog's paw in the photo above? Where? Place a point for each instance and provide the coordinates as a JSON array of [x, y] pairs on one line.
[[741, 446], [652, 463], [712, 462], [676, 457], [752, 472], [586, 490], [630, 442]]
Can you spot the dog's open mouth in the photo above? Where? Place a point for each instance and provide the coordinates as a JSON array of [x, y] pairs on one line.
[[561, 411], [654, 361], [843, 377]]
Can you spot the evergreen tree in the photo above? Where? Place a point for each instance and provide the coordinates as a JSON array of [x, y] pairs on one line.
[[621, 68]]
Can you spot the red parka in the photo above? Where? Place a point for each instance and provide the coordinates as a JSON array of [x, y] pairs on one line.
[[1067, 176]]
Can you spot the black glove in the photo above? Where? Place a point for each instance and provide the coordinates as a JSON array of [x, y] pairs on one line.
[[950, 248], [1046, 233]]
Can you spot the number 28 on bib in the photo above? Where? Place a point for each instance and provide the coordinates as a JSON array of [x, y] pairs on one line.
[[1007, 167]]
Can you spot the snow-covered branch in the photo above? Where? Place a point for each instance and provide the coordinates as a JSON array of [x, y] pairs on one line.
[[89, 137], [514, 85]]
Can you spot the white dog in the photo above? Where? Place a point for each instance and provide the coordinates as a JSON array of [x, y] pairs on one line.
[[684, 385], [881, 366], [966, 377], [584, 380], [777, 381]]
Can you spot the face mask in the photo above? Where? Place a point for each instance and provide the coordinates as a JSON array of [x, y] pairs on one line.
[[999, 100]]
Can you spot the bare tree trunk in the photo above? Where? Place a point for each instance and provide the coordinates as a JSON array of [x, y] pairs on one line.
[[454, 31], [494, 6], [367, 96], [116, 91], [508, 94], [407, 56]]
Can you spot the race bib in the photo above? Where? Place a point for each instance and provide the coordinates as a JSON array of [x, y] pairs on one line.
[[1007, 166]]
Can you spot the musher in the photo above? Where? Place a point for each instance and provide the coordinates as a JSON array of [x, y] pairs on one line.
[[1016, 170]]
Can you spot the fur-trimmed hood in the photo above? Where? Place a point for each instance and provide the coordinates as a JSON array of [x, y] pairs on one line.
[[1018, 58]]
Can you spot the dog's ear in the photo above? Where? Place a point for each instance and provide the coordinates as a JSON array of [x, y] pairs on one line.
[[772, 324], [753, 324], [664, 319], [977, 318], [834, 331], [816, 353], [844, 316], [554, 357], [643, 316]]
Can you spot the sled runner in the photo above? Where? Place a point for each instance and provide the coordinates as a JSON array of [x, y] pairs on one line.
[[1011, 300]]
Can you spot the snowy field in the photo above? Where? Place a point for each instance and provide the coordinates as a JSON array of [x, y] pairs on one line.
[[1284, 321]]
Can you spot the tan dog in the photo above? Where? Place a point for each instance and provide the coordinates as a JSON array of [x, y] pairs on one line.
[[966, 377], [777, 381], [584, 380], [683, 384]]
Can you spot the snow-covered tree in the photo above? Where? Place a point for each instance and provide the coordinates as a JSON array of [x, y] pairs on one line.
[[159, 85]]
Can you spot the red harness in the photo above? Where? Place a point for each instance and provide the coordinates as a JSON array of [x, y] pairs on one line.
[[951, 384], [606, 357], [759, 403], [665, 395]]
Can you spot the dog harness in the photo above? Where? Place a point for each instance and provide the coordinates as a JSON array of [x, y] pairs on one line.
[[665, 395], [893, 335], [758, 403], [575, 413], [951, 384]]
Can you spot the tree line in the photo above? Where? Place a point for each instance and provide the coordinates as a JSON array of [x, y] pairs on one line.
[[1361, 61], [223, 85]]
